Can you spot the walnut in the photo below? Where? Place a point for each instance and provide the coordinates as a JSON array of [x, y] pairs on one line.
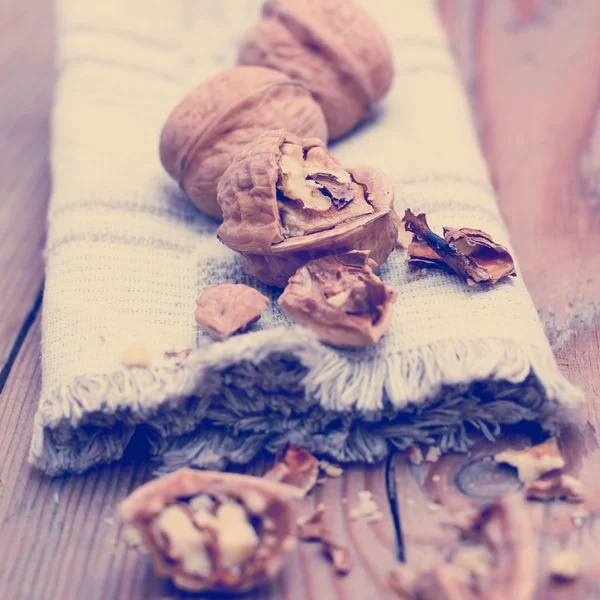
[[532, 463], [286, 201], [470, 253], [341, 299], [297, 467], [223, 310], [219, 117], [333, 47], [214, 531]]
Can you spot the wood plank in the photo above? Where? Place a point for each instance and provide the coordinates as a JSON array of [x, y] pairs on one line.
[[27, 75]]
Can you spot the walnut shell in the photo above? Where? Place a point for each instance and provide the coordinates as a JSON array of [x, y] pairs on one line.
[[341, 300], [266, 502], [255, 210], [219, 117], [333, 47]]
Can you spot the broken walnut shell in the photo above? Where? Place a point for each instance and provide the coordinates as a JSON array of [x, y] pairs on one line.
[[531, 463], [186, 520], [470, 253], [333, 47], [341, 299], [224, 309], [295, 466], [220, 116], [287, 201]]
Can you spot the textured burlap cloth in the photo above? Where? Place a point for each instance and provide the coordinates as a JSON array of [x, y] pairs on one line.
[[127, 255]]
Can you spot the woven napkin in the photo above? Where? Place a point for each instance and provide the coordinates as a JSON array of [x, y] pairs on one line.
[[127, 255]]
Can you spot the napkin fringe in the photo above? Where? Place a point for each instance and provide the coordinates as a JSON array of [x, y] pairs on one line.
[[228, 402]]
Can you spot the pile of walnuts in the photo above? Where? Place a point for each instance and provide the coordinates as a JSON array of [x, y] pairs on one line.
[[249, 147]]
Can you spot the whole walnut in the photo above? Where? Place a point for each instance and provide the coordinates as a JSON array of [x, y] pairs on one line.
[[286, 201], [333, 47], [219, 117]]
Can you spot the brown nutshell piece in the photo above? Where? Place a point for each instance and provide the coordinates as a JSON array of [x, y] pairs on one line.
[[211, 531], [556, 487], [312, 528], [338, 555], [532, 463], [497, 558], [470, 253], [341, 300], [287, 201], [225, 309], [333, 47], [218, 118], [296, 467]]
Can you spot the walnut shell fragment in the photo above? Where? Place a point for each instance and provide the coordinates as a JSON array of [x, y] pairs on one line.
[[297, 467], [341, 299], [497, 558], [470, 253], [556, 487], [333, 47], [225, 309], [219, 117], [213, 531], [286, 201], [532, 463]]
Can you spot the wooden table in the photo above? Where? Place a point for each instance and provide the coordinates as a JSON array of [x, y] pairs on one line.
[[532, 69]]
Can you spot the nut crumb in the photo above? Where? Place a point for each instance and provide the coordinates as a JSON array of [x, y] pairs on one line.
[[367, 508], [415, 455], [565, 565], [434, 507], [109, 521], [136, 355], [436, 478], [579, 515], [433, 454], [133, 538]]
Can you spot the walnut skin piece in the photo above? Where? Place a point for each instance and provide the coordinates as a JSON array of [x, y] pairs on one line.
[[286, 201], [333, 47], [340, 299], [213, 531], [470, 253], [225, 309], [297, 467], [532, 463], [219, 117]]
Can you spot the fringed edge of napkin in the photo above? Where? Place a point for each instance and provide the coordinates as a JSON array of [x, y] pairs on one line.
[[227, 402]]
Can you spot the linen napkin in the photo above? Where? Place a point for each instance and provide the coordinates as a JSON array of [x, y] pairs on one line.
[[127, 255]]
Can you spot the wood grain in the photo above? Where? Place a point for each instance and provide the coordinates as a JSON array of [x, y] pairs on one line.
[[532, 69], [27, 75]]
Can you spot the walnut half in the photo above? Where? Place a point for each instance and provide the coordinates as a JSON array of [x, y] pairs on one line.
[[214, 531], [286, 201], [341, 299]]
